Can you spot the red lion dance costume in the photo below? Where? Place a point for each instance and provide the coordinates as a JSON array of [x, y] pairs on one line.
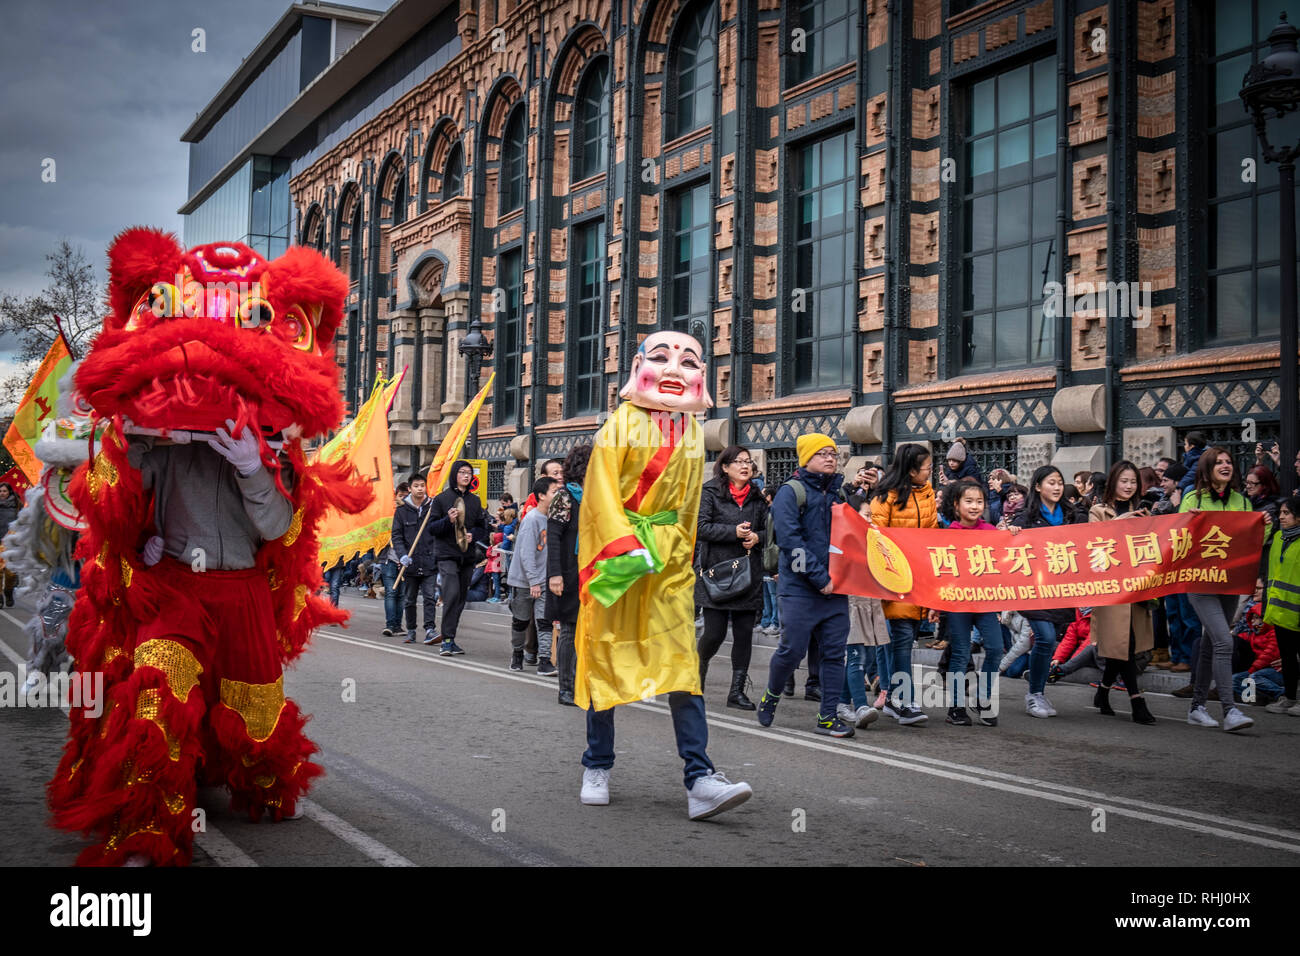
[[193, 656]]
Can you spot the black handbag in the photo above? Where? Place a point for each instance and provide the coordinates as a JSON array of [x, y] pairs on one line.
[[727, 580]]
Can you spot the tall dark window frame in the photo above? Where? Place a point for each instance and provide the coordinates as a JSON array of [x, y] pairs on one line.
[[508, 331], [823, 299], [689, 259], [1243, 301], [830, 37], [514, 162], [591, 121], [453, 175], [587, 352], [313, 230], [1008, 218], [693, 66]]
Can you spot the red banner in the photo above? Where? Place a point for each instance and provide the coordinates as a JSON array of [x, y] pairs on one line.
[[1077, 565]]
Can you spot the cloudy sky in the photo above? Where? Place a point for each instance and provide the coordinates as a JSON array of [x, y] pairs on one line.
[[105, 88]]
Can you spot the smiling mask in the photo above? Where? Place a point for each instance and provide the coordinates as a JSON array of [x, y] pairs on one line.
[[668, 375]]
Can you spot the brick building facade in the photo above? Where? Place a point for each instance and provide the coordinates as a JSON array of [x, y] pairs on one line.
[[859, 206]]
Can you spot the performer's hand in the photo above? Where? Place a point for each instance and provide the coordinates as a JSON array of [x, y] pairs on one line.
[[406, 561], [243, 452], [1014, 529], [153, 551], [535, 590], [453, 514], [556, 585]]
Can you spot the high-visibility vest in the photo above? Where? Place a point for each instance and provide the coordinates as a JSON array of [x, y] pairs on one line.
[[1283, 586]]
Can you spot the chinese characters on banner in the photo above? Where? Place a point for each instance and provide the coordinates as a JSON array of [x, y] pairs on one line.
[[1078, 565]]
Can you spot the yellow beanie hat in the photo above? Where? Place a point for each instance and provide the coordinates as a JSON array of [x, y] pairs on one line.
[[809, 445]]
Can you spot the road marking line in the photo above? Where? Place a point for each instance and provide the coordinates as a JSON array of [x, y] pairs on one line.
[[1011, 783], [222, 850], [352, 836]]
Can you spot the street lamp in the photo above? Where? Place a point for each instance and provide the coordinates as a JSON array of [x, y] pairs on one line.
[[1270, 90], [475, 347]]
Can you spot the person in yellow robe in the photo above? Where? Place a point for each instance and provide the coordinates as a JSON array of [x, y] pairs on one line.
[[636, 539]]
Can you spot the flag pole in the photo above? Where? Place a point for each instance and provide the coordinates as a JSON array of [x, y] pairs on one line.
[[58, 323]]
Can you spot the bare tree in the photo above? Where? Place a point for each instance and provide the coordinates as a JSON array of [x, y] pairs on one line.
[[73, 293]]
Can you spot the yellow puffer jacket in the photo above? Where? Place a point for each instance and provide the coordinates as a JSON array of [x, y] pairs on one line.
[[917, 511]]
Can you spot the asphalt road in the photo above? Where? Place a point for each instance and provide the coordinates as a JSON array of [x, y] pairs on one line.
[[442, 761]]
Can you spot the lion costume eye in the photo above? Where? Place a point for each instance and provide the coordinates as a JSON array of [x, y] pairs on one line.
[[301, 331], [255, 313]]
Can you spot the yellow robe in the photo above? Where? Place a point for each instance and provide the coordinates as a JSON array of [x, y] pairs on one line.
[[643, 643]]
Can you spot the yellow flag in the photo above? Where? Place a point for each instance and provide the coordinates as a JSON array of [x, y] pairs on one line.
[[39, 405], [365, 443], [450, 448]]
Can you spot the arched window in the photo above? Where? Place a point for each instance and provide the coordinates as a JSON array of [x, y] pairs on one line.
[[399, 199], [454, 173], [514, 163], [354, 245], [591, 122], [313, 230], [347, 233], [693, 65]]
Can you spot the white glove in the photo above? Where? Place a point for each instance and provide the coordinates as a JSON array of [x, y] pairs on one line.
[[406, 561], [153, 551], [243, 452]]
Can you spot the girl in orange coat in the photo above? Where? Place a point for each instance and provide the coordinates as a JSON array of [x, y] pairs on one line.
[[903, 498]]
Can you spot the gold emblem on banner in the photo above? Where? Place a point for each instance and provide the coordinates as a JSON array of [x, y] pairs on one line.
[[887, 564]]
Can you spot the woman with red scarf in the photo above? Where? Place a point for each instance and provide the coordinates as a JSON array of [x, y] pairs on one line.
[[733, 517]]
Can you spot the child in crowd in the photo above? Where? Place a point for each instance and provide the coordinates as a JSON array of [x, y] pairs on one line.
[[493, 568]]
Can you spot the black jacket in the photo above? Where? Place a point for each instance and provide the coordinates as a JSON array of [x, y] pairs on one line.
[[406, 524], [444, 530], [9, 510], [562, 555], [717, 541], [1034, 519]]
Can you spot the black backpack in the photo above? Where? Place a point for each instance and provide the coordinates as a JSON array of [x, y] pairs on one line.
[[772, 551]]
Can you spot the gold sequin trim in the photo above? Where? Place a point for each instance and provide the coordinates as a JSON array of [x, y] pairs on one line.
[[126, 572], [272, 579], [175, 803], [112, 654], [264, 780], [101, 559], [295, 529], [72, 772], [148, 706], [118, 837], [299, 600], [104, 473], [258, 704], [180, 666]]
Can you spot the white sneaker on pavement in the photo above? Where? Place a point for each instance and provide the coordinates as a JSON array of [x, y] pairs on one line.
[[1036, 705], [1281, 705], [1200, 717], [865, 716], [1234, 719], [713, 794], [595, 787], [844, 712]]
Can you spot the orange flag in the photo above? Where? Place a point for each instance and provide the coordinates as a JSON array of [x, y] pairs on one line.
[[365, 442], [39, 405], [451, 446]]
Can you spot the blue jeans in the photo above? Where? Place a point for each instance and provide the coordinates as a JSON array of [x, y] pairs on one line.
[[902, 635], [494, 587], [1268, 682], [393, 602], [689, 726], [1184, 627], [827, 617], [334, 578], [959, 630], [855, 675], [1018, 666], [1040, 655], [771, 610]]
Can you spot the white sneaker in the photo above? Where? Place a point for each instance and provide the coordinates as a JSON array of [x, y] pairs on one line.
[[1294, 711], [1036, 705], [1200, 717], [864, 716], [1281, 705], [712, 794], [595, 787], [1234, 719], [845, 713]]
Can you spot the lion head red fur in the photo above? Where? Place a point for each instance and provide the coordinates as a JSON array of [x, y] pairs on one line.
[[194, 338]]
